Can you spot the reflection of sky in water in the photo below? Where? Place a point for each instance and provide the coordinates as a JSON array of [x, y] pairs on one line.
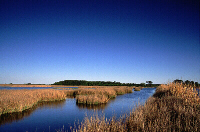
[[17, 88], [54, 116]]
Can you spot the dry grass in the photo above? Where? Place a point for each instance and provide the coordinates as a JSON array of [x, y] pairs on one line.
[[137, 89], [99, 95], [174, 107], [96, 124], [19, 100], [185, 92]]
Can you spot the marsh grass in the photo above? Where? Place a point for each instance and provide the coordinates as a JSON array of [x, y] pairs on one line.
[[101, 124], [174, 107], [99, 95], [137, 89], [19, 100]]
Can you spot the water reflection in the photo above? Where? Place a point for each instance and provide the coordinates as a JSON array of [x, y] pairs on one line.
[[94, 107], [9, 118], [17, 116], [17, 88]]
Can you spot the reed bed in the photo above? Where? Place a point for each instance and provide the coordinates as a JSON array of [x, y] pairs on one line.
[[137, 89], [174, 107], [19, 100], [99, 95]]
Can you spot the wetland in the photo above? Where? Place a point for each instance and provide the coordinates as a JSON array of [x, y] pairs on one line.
[[54, 115]]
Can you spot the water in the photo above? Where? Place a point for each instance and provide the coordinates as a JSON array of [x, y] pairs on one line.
[[198, 91], [17, 88], [56, 115]]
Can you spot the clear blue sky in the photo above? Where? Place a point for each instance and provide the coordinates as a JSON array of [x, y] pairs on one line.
[[46, 41]]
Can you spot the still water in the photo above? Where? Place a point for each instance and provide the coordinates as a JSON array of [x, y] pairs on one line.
[[51, 117], [17, 88]]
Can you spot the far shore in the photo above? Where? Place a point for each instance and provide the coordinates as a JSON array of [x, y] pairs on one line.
[[31, 85], [55, 86]]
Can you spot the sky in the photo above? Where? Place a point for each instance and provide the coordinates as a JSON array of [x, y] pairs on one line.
[[128, 41]]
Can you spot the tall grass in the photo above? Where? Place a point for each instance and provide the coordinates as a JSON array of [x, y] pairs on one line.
[[19, 100], [174, 107], [137, 89], [99, 95]]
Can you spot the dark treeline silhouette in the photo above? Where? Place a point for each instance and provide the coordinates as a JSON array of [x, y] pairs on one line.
[[187, 82], [101, 83]]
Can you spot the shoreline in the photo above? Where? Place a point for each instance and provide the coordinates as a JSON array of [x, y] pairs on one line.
[[56, 86]]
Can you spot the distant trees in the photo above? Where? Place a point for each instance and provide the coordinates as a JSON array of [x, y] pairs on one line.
[[196, 84], [178, 81], [149, 83], [91, 83], [187, 82], [143, 84], [98, 83]]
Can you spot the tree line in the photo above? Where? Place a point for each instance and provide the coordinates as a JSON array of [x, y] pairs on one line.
[[102, 83], [187, 82]]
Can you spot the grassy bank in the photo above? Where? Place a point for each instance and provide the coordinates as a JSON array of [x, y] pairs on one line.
[[19, 100], [100, 95], [174, 107], [137, 89]]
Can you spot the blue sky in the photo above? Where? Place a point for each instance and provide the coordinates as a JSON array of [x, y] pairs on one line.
[[44, 41]]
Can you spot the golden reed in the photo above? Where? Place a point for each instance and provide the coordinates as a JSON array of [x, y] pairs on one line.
[[100, 95], [19, 100], [173, 107]]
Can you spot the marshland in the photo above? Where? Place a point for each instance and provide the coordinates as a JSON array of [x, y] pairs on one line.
[[171, 107], [19, 100]]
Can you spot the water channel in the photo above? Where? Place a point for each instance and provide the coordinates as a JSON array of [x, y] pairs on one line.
[[53, 116]]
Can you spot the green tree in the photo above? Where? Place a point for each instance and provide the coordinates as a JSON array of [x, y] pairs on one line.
[[149, 83], [178, 81], [196, 84], [143, 84], [187, 82]]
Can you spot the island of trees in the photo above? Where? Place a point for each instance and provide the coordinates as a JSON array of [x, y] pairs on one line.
[[103, 83], [110, 83]]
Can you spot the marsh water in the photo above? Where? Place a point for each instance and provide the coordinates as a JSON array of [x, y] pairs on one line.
[[62, 115], [17, 88]]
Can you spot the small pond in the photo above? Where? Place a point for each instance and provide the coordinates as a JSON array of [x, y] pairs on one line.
[[52, 116]]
